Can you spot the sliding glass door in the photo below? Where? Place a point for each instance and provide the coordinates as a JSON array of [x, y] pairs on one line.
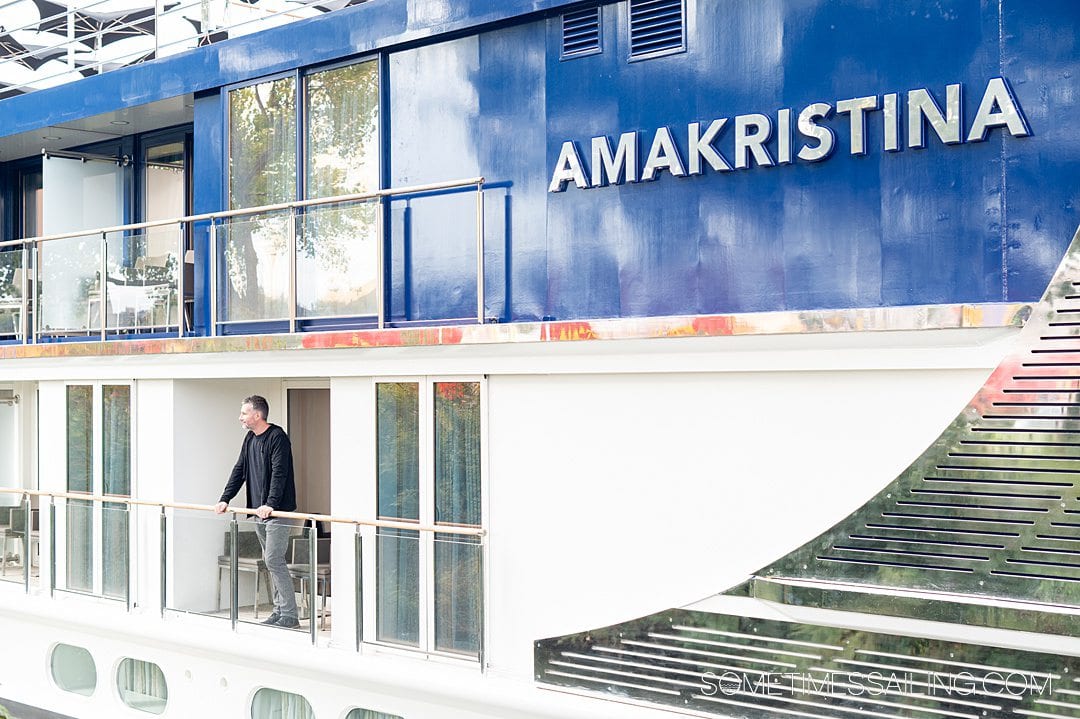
[[96, 534]]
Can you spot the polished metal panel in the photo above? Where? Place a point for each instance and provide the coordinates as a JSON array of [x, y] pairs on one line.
[[568, 169], [618, 167], [857, 108], [730, 665], [783, 136], [992, 508], [998, 94], [752, 141], [825, 137], [890, 109], [700, 145], [663, 155], [921, 104]]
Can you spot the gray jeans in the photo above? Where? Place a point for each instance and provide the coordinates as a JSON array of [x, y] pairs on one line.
[[274, 535]]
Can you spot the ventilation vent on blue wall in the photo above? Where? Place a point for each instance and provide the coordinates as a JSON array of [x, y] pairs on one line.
[[581, 33], [657, 27]]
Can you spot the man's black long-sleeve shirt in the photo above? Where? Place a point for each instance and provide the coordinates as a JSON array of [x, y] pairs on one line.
[[266, 465]]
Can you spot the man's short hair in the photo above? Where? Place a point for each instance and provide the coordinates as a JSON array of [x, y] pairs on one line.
[[259, 404]]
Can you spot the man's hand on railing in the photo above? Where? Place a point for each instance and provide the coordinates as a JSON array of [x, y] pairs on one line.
[[264, 511], [220, 507]]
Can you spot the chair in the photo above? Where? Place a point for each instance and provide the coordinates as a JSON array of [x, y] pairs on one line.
[[11, 302], [300, 568], [16, 531], [248, 559]]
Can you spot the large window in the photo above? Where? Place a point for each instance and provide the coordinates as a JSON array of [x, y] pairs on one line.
[[306, 136], [429, 453], [98, 462]]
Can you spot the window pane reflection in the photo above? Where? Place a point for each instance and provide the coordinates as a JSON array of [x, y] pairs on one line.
[[262, 143]]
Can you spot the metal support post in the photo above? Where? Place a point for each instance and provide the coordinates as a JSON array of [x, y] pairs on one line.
[[234, 573]]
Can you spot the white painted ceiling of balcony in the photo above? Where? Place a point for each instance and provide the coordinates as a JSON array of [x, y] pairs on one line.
[[143, 118]]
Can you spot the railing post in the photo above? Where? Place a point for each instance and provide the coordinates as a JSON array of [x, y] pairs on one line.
[[480, 602], [36, 261], [163, 526], [380, 270], [103, 286], [127, 564], [181, 266], [313, 577], [291, 233], [234, 573], [29, 523], [52, 546], [23, 324], [213, 278], [358, 588], [480, 252]]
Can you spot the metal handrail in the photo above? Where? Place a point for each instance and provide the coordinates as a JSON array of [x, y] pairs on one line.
[[35, 243], [307, 517]]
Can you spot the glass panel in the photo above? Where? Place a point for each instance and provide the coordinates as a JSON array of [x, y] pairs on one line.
[[164, 182], [342, 126], [11, 291], [398, 449], [255, 281], [70, 290], [141, 280], [397, 592], [369, 714], [457, 453], [457, 593], [433, 248], [114, 546], [73, 669], [262, 143], [116, 439], [274, 704], [197, 571], [79, 533], [260, 594], [337, 261], [142, 686], [31, 204], [80, 438]]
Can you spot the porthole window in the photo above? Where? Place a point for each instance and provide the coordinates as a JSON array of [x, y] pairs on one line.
[[369, 714], [272, 704], [73, 669], [142, 686]]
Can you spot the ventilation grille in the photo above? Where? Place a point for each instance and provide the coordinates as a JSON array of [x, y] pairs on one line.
[[581, 33], [764, 669], [657, 27], [993, 507]]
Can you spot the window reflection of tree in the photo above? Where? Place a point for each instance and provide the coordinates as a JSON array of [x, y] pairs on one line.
[[341, 158]]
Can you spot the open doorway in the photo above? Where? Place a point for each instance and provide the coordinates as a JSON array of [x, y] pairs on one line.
[[309, 431]]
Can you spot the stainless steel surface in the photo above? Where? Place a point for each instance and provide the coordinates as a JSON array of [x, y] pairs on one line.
[[291, 244], [480, 254], [620, 167], [738, 666], [826, 140], [1007, 115], [358, 586], [313, 610], [922, 105], [663, 155], [52, 547], [992, 509], [856, 108], [890, 109], [752, 142], [234, 573], [783, 136], [164, 557], [213, 279]]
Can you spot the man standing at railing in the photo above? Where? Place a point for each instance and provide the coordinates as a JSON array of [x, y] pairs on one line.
[[266, 465]]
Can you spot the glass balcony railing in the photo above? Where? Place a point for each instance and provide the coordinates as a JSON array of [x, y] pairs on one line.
[[50, 45], [425, 583], [298, 266]]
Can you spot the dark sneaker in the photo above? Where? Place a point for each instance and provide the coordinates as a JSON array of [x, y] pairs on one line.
[[272, 619], [288, 622]]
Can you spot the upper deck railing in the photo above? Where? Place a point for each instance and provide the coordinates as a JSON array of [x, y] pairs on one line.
[[294, 265], [45, 44]]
